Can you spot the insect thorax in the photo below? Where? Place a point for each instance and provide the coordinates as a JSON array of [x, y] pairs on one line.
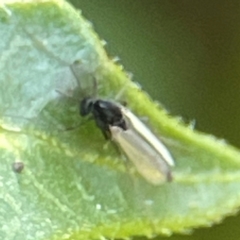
[[107, 114]]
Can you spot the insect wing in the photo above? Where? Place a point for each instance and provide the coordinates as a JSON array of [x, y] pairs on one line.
[[144, 131], [146, 160]]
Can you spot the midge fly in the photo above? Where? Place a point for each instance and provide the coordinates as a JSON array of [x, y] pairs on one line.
[[150, 157]]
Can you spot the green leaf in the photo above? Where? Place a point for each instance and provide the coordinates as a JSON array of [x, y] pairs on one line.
[[73, 185]]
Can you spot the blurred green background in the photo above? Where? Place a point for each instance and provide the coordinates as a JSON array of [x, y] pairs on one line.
[[186, 54]]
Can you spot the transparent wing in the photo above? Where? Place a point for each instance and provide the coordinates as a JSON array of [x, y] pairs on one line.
[[147, 161], [145, 132]]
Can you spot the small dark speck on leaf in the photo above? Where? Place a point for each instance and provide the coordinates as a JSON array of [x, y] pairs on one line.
[[17, 167]]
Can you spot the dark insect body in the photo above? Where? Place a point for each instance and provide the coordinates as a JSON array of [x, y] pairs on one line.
[[105, 114]]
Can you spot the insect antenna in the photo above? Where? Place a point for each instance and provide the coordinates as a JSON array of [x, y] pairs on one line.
[[66, 95]]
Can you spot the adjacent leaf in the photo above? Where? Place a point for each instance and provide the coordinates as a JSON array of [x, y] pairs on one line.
[[74, 186]]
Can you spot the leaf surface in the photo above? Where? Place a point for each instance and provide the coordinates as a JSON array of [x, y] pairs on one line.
[[74, 185]]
